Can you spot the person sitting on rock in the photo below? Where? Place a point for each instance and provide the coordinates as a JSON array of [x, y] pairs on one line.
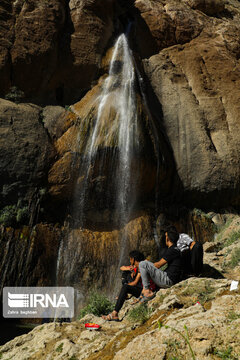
[[164, 279], [134, 287], [192, 255], [129, 272]]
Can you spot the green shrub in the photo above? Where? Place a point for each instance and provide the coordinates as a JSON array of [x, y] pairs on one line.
[[15, 94], [12, 215], [8, 215], [140, 313], [98, 304], [22, 215]]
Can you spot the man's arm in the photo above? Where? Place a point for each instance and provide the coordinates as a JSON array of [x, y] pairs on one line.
[[192, 245], [126, 268], [136, 280], [160, 263]]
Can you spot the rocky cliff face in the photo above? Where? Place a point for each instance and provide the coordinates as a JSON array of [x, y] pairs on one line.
[[51, 52], [202, 309], [56, 53]]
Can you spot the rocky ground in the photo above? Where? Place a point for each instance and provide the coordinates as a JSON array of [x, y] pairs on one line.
[[203, 310]]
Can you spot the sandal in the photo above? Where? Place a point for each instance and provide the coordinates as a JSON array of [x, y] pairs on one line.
[[136, 301], [110, 317], [147, 298]]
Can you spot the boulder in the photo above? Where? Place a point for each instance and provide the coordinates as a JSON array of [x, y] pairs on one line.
[[25, 152]]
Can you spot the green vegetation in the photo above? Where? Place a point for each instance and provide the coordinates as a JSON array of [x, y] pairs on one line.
[[203, 293], [185, 337], [68, 108], [173, 346], [98, 305], [59, 348], [235, 260], [199, 212], [1, 355], [225, 354], [73, 358], [15, 94], [12, 215], [140, 313], [232, 239], [233, 316]]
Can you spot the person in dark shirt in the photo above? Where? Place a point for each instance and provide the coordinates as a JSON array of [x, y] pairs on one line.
[[164, 279]]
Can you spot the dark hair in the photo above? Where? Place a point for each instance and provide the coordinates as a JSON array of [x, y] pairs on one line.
[[137, 255], [173, 235]]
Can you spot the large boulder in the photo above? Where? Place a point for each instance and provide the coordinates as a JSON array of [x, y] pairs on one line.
[[25, 152]]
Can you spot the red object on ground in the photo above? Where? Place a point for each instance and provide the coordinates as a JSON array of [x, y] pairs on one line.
[[92, 326]]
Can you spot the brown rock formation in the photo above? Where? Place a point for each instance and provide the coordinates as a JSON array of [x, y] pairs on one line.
[[51, 50], [198, 88], [28, 257], [51, 53], [25, 151], [94, 255]]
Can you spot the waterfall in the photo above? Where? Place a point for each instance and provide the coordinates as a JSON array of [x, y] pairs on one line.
[[118, 103], [107, 146]]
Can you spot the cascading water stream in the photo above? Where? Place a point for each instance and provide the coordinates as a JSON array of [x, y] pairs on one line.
[[112, 141], [118, 95]]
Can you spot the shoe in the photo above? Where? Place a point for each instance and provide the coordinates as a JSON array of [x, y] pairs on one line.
[[147, 298]]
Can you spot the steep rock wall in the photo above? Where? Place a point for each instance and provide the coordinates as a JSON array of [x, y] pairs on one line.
[[51, 53], [197, 85], [51, 50]]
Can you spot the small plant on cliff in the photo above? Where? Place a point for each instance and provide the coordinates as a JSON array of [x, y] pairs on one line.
[[12, 215], [225, 354], [15, 94], [140, 313], [60, 348], [232, 239], [233, 316], [235, 260], [98, 304], [8, 215], [185, 337]]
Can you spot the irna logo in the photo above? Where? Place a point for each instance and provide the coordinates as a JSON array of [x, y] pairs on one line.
[[38, 302], [35, 300]]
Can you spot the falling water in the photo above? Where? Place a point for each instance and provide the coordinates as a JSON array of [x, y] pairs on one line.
[[118, 97], [110, 140]]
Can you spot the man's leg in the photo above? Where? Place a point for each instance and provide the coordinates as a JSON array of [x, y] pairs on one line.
[[159, 277], [126, 289], [197, 258], [186, 263]]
